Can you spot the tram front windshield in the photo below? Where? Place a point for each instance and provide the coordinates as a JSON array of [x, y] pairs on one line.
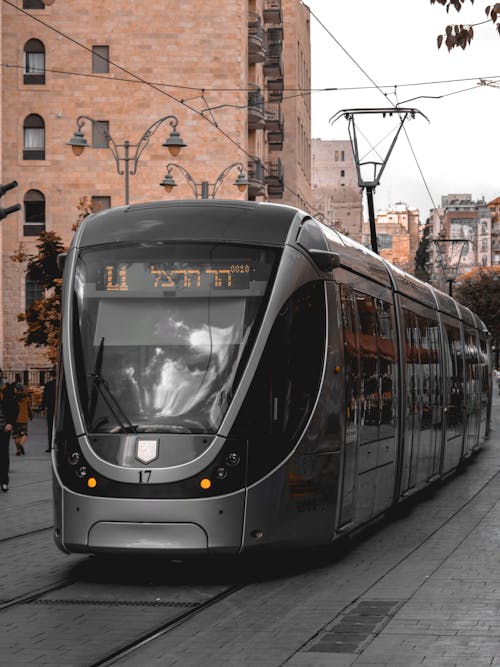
[[159, 332]]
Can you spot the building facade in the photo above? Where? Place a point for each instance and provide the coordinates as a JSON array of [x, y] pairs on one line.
[[398, 235], [462, 233], [219, 70], [336, 194]]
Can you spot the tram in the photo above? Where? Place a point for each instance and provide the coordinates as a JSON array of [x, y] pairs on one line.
[[236, 375]]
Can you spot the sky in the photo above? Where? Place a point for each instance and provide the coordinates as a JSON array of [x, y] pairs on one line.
[[394, 43]]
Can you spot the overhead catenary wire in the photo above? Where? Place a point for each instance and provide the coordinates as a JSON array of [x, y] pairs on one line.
[[395, 105], [157, 86]]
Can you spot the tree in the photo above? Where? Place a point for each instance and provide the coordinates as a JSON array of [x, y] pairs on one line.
[[462, 35], [422, 256], [479, 290], [43, 316]]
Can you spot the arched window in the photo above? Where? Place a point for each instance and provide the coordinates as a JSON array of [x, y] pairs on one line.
[[34, 62], [34, 138], [34, 213], [33, 292]]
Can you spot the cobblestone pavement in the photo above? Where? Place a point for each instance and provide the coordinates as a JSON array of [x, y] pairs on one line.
[[420, 590]]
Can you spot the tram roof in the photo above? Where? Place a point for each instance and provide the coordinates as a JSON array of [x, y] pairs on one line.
[[189, 220]]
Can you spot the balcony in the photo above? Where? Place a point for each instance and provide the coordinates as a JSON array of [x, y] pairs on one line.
[[274, 179], [274, 127], [273, 67], [256, 179], [275, 89], [256, 114], [256, 51], [272, 12]]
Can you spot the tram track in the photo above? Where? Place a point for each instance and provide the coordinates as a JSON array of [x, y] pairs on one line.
[[171, 624], [26, 534], [25, 598]]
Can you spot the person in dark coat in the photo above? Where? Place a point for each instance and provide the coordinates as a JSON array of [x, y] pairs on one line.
[[8, 416], [48, 405]]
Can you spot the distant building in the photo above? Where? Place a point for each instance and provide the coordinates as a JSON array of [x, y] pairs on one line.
[[335, 191], [494, 208], [398, 235], [465, 227]]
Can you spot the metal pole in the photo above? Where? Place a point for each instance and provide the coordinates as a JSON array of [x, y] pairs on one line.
[[127, 173], [371, 216], [450, 286], [204, 190]]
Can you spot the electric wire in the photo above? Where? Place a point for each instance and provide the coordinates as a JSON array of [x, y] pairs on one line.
[[299, 91], [390, 101], [157, 87]]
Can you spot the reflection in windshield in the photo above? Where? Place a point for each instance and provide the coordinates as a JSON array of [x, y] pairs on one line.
[[170, 357]]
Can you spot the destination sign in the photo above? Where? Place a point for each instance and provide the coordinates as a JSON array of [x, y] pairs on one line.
[[138, 276]]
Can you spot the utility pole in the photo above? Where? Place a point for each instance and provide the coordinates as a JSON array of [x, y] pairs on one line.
[[378, 166]]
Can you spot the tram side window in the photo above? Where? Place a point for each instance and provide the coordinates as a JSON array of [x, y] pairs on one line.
[[369, 368], [412, 367], [457, 380], [285, 387], [387, 356], [297, 360], [351, 362], [472, 367]]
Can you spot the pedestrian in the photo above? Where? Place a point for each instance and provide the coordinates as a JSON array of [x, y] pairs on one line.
[[48, 405], [24, 415], [8, 417]]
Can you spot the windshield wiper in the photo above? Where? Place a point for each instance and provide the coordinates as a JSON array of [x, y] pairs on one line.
[[102, 386]]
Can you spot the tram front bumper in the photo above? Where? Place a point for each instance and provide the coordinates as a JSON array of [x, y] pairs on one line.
[[147, 537], [87, 524]]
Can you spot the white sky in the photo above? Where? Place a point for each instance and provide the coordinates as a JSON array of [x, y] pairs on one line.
[[394, 41]]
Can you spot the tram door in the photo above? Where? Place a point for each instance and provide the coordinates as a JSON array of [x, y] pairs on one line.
[[370, 409]]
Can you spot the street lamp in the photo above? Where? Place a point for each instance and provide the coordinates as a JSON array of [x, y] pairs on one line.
[[202, 190], [173, 143]]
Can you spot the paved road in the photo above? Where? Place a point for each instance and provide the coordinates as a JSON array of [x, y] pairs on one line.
[[420, 590]]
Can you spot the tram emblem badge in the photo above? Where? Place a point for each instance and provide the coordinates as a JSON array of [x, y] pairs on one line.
[[146, 450]]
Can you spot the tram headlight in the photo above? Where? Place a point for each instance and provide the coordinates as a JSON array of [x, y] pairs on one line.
[[81, 472], [205, 483], [91, 482]]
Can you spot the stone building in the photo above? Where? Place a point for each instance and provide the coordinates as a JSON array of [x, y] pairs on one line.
[[465, 228], [219, 69], [398, 235], [336, 194], [494, 209]]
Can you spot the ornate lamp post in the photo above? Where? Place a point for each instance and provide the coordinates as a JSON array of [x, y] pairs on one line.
[[174, 143], [204, 190]]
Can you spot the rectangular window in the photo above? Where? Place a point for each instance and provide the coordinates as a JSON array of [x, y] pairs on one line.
[[100, 203], [100, 59], [34, 143], [34, 68], [34, 292], [99, 134], [34, 220], [33, 4]]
